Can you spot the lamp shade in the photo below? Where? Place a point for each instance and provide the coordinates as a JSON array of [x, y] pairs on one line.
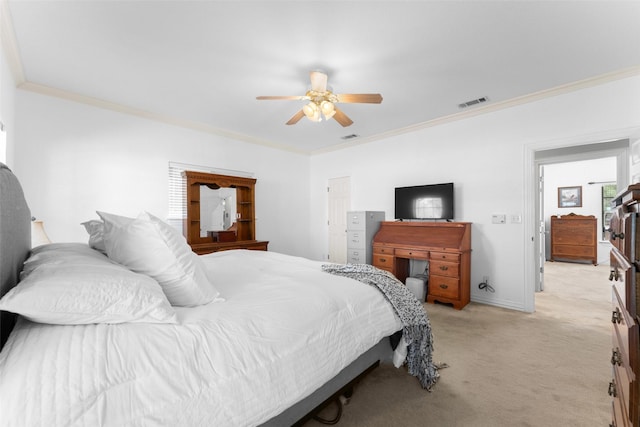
[[38, 235]]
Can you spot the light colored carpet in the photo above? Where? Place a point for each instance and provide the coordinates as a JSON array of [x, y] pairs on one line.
[[506, 368]]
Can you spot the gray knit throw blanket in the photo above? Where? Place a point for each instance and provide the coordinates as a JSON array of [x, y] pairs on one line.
[[416, 327]]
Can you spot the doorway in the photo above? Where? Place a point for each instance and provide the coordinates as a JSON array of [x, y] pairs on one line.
[[589, 167]]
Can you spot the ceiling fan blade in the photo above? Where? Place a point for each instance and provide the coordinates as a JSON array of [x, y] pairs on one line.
[[296, 118], [318, 81], [342, 118], [293, 97], [360, 98]]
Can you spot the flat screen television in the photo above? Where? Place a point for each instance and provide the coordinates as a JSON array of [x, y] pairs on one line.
[[434, 201]]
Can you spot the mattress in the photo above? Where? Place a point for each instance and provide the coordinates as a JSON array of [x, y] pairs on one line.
[[283, 330]]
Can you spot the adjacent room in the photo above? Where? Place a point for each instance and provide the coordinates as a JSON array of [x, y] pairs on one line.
[[187, 177]]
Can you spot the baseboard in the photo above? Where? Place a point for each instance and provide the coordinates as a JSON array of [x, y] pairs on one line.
[[499, 303]]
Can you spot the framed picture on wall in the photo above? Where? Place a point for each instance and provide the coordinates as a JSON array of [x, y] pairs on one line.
[[570, 197]]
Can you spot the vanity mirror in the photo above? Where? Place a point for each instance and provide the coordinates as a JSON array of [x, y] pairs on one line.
[[220, 213]]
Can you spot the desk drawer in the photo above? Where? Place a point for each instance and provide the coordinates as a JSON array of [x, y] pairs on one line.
[[447, 287], [440, 268], [412, 254], [442, 256], [384, 262], [379, 249]]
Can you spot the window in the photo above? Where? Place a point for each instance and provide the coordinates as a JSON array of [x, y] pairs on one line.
[[609, 191], [3, 144]]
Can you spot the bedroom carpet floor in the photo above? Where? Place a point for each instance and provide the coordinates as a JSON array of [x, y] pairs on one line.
[[506, 368]]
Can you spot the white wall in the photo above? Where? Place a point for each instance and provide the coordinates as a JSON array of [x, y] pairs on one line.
[[574, 174], [485, 157], [7, 109], [74, 159]]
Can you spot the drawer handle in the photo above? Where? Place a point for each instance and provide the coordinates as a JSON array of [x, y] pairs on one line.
[[616, 316], [614, 275], [616, 357], [383, 260], [444, 268], [612, 389], [443, 286], [615, 236]]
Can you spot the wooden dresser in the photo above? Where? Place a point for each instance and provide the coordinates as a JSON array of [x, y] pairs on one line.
[[445, 245], [241, 235], [574, 237], [624, 387]]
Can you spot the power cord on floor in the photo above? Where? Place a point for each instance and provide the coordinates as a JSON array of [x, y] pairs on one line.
[[339, 402], [486, 287]]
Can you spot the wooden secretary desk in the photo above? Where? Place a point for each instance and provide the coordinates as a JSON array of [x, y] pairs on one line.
[[244, 229], [447, 247]]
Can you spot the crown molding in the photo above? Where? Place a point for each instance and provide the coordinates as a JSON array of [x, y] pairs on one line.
[[496, 106], [9, 44], [175, 121]]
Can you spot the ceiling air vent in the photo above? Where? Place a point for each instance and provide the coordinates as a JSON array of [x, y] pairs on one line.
[[346, 137], [473, 102]]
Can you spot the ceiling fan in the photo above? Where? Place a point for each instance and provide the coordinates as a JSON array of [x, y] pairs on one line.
[[322, 101]]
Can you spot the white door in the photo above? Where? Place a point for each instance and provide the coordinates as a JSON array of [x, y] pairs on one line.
[[339, 201]]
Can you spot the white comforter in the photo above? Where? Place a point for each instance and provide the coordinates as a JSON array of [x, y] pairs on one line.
[[284, 329]]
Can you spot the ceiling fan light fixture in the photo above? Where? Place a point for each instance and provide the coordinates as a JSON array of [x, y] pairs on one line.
[[312, 111], [328, 109]]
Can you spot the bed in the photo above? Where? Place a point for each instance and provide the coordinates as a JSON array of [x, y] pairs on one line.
[[245, 338]]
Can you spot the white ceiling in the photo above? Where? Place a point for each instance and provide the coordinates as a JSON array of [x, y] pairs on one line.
[[201, 64]]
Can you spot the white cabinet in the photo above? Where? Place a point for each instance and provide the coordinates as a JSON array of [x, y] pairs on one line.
[[361, 227]]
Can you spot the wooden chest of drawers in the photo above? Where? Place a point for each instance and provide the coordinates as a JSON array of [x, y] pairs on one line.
[[574, 237], [624, 387]]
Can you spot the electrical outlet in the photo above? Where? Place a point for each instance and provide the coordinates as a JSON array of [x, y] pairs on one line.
[[498, 218]]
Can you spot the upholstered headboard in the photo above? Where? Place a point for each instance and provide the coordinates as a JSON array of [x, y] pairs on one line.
[[15, 240]]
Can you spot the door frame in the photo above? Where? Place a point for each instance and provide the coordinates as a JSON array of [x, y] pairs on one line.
[[609, 144]]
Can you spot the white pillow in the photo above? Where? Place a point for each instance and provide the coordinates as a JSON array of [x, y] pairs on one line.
[[62, 253], [75, 290], [149, 246], [95, 229]]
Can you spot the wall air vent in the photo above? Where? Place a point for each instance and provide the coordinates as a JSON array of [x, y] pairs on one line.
[[473, 102], [347, 137]]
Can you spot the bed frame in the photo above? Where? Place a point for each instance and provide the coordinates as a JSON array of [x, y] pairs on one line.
[[15, 245], [15, 240]]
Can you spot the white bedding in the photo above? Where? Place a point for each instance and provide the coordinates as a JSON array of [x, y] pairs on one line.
[[284, 329]]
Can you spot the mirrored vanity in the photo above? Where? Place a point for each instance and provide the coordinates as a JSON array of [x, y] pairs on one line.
[[220, 213]]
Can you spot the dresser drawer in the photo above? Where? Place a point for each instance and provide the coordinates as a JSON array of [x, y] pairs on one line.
[[443, 256], [356, 239], [384, 262], [447, 287], [412, 253], [560, 250], [619, 414], [441, 268], [620, 399]]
